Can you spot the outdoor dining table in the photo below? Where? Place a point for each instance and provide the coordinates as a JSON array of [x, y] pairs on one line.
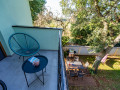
[[74, 65], [28, 67]]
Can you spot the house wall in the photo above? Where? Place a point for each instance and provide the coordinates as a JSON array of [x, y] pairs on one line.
[[13, 12], [48, 38]]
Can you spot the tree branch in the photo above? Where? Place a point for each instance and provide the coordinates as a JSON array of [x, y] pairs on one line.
[[98, 8], [117, 40]]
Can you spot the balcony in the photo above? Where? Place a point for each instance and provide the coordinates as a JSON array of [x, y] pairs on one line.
[[51, 47]]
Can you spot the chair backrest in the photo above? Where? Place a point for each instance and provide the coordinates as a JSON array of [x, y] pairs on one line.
[[86, 64], [80, 74], [72, 72], [23, 41]]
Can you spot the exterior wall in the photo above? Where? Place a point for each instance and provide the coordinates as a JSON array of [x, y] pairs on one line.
[[13, 12], [85, 50], [3, 43], [47, 38]]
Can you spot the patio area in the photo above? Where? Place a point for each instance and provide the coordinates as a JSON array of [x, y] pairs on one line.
[[78, 73], [87, 81], [11, 73]]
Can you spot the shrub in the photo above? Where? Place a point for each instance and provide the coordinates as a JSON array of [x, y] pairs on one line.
[[65, 40]]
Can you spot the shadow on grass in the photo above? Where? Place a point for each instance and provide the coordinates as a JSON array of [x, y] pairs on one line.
[[111, 74], [107, 79], [110, 62], [85, 58]]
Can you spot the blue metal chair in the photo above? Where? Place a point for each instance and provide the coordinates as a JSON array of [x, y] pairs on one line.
[[23, 44]]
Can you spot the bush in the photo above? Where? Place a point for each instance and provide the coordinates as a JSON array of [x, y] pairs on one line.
[[65, 40], [66, 53]]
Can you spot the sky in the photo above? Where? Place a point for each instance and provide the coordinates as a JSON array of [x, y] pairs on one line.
[[54, 6]]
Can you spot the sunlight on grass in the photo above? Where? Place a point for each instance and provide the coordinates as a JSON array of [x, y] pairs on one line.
[[105, 67], [112, 65], [109, 74]]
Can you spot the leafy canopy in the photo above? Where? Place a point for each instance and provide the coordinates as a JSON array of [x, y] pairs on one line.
[[65, 40], [36, 6], [99, 18]]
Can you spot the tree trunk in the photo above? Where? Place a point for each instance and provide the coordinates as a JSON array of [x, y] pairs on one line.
[[103, 53], [97, 62], [99, 58]]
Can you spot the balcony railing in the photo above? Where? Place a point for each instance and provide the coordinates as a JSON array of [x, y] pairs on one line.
[[49, 39], [62, 78]]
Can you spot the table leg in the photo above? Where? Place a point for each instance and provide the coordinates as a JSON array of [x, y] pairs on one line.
[[43, 76], [38, 78], [19, 57], [23, 58], [26, 79], [45, 69]]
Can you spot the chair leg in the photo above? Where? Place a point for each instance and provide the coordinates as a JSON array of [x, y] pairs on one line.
[[19, 57], [38, 53], [23, 58]]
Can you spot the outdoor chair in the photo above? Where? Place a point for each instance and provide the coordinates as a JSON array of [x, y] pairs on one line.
[[80, 74], [73, 73], [86, 65], [23, 44]]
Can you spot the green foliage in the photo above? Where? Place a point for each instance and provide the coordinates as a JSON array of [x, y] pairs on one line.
[[65, 40], [79, 34], [36, 6], [97, 22], [66, 53]]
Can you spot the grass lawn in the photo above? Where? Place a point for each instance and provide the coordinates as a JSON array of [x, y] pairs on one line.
[[108, 76]]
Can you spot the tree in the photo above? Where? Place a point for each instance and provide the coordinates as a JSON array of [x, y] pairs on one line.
[[103, 18], [47, 19], [65, 40], [36, 6], [79, 34]]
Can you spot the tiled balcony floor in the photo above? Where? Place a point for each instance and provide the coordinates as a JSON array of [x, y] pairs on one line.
[[11, 73]]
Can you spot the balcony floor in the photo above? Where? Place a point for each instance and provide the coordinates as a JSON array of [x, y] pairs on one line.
[[11, 73]]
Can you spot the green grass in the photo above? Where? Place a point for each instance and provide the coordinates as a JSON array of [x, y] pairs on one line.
[[108, 76]]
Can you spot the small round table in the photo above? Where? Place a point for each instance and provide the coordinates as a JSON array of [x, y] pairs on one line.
[[28, 67]]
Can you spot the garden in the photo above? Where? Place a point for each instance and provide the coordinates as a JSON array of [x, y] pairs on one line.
[[107, 77]]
